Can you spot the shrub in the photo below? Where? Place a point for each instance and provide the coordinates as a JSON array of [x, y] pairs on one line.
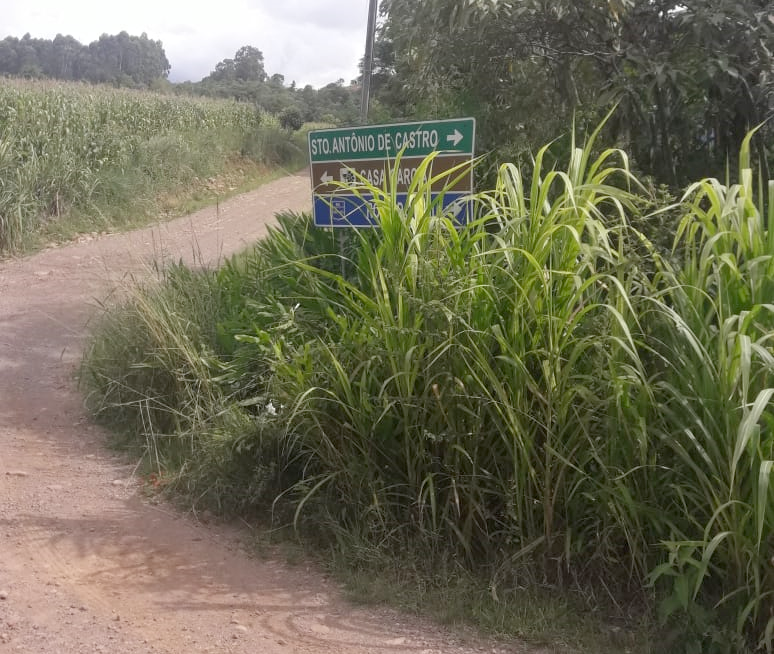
[[291, 119]]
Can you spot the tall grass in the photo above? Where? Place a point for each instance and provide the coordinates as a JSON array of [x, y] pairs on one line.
[[714, 396], [107, 153], [170, 405], [538, 395]]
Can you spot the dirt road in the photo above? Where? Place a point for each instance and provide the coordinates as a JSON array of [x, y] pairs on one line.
[[86, 563]]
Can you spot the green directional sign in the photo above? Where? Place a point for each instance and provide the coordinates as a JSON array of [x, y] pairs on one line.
[[341, 159], [417, 139]]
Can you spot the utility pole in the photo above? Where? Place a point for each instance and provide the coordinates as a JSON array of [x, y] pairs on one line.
[[368, 62], [368, 67]]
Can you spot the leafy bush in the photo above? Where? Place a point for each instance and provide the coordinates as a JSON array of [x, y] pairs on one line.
[[291, 118]]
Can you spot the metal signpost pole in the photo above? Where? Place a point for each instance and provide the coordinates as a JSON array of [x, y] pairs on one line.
[[368, 67], [368, 62]]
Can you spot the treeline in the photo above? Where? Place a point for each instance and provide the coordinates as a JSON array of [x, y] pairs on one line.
[[244, 78], [120, 59], [123, 60]]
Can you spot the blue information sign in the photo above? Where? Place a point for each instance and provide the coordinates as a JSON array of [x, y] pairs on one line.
[[358, 210]]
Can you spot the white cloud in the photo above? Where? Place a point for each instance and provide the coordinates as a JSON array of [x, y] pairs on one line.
[[309, 41]]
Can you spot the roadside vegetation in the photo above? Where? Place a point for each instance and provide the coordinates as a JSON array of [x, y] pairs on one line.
[[556, 421], [546, 417], [78, 158]]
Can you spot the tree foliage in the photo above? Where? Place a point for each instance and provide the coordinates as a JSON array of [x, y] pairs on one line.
[[691, 77], [119, 59], [246, 66], [244, 78]]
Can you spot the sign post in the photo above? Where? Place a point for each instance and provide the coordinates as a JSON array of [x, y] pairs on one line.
[[338, 156], [368, 62]]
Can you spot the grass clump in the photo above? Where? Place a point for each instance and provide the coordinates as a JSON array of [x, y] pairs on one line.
[[541, 399]]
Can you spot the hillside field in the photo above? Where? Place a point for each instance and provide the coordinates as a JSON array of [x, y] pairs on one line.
[[78, 157]]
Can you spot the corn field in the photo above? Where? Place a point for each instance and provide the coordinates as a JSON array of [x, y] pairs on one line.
[[58, 141]]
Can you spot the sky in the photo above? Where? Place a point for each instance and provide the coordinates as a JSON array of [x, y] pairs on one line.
[[308, 41]]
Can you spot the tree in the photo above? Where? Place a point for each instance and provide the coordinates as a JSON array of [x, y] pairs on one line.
[[691, 76], [387, 88], [9, 58], [64, 59], [248, 64], [124, 59], [244, 78], [29, 61]]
